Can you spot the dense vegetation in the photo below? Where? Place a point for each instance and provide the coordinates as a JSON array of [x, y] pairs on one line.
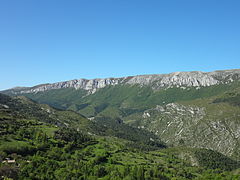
[[215, 118], [214, 160], [232, 98], [41, 146], [122, 100], [62, 153], [25, 108]]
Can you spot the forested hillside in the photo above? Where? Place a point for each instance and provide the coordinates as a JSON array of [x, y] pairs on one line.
[[204, 117], [33, 147]]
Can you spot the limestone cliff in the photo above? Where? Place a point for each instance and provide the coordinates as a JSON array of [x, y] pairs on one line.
[[156, 81]]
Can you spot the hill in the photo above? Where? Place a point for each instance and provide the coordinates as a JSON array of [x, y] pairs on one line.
[[36, 144]]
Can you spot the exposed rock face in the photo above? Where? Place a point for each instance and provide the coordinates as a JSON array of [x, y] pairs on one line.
[[186, 79], [178, 79], [89, 85], [194, 126], [190, 79]]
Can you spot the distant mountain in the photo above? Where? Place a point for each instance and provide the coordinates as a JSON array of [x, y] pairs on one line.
[[194, 109], [156, 81]]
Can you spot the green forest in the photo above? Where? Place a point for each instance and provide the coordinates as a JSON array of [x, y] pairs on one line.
[[36, 144]]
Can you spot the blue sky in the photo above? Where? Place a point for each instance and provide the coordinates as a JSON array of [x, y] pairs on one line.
[[55, 40]]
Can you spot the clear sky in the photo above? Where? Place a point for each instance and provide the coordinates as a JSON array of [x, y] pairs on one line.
[[55, 40]]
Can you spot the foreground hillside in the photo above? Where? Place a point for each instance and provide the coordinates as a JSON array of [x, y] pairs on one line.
[[36, 144]]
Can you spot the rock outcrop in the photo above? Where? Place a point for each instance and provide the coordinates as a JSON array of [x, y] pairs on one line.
[[193, 126], [157, 81]]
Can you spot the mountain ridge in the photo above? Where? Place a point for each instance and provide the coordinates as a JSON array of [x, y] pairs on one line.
[[183, 79]]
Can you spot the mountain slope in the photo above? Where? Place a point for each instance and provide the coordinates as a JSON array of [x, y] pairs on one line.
[[196, 109], [33, 147], [198, 123], [23, 107]]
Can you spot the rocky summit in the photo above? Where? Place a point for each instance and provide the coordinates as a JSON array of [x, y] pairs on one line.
[[196, 79]]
